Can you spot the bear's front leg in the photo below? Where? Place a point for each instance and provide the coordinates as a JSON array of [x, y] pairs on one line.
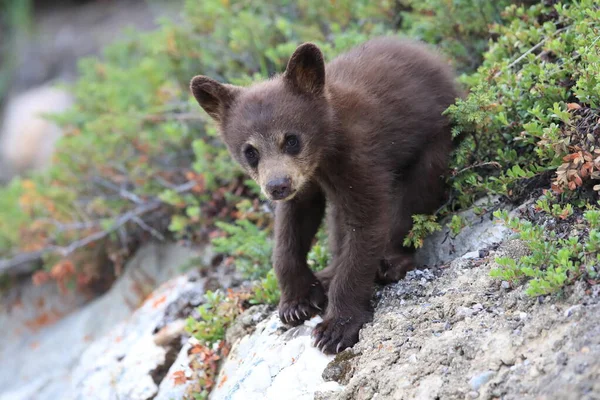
[[365, 223], [296, 223]]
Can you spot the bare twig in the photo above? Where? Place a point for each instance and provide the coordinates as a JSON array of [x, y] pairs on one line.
[[24, 262], [450, 200], [479, 165], [77, 226], [148, 228], [126, 194], [165, 183]]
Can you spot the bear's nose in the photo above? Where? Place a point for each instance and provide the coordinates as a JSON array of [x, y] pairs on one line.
[[279, 188]]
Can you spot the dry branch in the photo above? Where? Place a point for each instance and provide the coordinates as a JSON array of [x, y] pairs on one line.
[[26, 262]]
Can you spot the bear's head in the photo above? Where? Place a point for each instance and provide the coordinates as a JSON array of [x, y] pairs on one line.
[[277, 129]]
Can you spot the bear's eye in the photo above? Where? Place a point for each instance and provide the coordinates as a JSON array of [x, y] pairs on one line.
[[251, 155], [292, 144]]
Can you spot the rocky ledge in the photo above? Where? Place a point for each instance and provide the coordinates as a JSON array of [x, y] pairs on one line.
[[447, 331]]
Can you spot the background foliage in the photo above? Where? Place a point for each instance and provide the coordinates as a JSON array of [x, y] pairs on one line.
[[140, 161]]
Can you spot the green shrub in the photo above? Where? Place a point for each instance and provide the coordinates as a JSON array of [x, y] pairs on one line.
[[250, 246], [266, 291], [553, 262], [423, 225], [531, 102], [139, 160], [458, 27]]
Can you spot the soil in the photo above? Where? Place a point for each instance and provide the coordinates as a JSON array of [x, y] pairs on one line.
[[457, 333]]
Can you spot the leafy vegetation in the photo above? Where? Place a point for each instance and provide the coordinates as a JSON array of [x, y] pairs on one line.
[[554, 261], [423, 225], [531, 102], [216, 314], [15, 19], [162, 172], [140, 161]]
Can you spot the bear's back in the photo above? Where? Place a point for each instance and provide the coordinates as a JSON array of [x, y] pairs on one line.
[[393, 89]]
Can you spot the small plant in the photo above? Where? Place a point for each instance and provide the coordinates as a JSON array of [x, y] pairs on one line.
[[216, 314], [456, 224], [556, 210], [250, 246], [319, 256], [553, 262], [423, 225], [266, 291]]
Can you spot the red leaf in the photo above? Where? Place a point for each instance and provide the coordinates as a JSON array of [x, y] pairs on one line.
[[179, 378], [578, 180]]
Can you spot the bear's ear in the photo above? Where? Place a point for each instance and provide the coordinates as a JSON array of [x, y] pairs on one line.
[[214, 97], [305, 71]]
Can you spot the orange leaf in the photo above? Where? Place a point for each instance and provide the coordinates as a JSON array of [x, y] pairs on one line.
[[573, 106], [196, 349], [159, 301], [179, 378], [223, 380]]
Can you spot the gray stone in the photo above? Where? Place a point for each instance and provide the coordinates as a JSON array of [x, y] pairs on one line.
[[479, 232], [481, 379], [572, 310]]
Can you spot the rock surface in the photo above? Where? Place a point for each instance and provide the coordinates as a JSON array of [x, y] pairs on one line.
[[27, 138], [45, 357], [273, 363], [445, 332], [480, 232], [455, 333]]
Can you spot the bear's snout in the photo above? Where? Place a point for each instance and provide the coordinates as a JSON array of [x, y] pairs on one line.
[[279, 188]]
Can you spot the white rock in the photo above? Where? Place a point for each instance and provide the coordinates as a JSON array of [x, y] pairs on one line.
[[78, 355], [572, 310], [27, 139], [271, 364], [522, 315], [471, 255]]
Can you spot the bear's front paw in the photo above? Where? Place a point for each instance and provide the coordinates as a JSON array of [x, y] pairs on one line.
[[335, 334], [295, 309]]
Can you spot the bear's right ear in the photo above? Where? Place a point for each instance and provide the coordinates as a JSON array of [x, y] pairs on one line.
[[214, 97]]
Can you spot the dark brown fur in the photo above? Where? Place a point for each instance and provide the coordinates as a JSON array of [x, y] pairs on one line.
[[374, 149]]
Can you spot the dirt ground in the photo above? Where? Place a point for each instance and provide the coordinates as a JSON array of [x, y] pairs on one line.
[[457, 333]]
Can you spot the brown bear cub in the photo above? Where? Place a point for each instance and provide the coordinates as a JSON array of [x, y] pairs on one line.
[[364, 135]]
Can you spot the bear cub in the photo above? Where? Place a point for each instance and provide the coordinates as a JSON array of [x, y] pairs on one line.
[[363, 136]]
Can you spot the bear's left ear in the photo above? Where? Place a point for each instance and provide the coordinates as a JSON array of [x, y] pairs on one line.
[[214, 97], [305, 72]]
